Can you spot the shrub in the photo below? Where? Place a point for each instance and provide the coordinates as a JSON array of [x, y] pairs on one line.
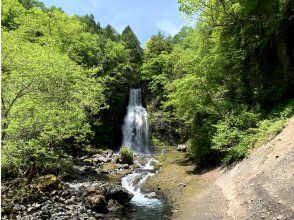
[[30, 159], [126, 155], [239, 132]]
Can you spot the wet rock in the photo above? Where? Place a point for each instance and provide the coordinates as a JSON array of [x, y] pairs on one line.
[[118, 193], [156, 164], [182, 147], [114, 206], [151, 195], [96, 203]]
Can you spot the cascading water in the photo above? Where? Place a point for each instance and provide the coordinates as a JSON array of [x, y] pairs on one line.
[[136, 137], [135, 127]]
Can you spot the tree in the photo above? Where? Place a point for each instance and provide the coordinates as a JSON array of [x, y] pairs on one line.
[[132, 43], [110, 33], [46, 99], [91, 25]]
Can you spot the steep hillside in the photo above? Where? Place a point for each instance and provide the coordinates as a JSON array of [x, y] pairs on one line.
[[259, 187]]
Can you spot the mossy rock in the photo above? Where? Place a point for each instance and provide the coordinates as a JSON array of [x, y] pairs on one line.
[[110, 166], [46, 183]]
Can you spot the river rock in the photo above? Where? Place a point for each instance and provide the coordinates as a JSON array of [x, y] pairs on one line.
[[118, 193], [46, 183], [98, 158], [182, 147], [96, 203], [151, 195], [114, 206], [94, 189], [156, 164], [110, 167]]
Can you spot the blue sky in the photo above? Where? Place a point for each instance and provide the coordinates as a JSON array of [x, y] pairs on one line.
[[146, 17]]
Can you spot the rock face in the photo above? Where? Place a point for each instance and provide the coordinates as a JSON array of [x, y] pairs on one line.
[[118, 193], [182, 147]]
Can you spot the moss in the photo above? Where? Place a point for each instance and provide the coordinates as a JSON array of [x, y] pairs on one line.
[[47, 183]]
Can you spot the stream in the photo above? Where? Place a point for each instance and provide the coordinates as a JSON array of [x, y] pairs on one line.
[[145, 206], [136, 137]]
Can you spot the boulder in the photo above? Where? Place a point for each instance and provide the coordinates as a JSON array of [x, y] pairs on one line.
[[99, 158], [156, 164], [110, 167], [118, 193], [108, 152], [94, 189], [96, 203], [182, 147], [114, 206], [46, 183]]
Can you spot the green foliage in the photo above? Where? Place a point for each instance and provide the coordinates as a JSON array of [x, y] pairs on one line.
[[217, 79], [11, 12], [241, 131], [132, 43], [126, 155], [59, 73]]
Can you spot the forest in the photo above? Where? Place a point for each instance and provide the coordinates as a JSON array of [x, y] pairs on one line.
[[222, 87]]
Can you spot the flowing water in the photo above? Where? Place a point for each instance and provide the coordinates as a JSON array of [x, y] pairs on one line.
[[136, 137], [135, 128]]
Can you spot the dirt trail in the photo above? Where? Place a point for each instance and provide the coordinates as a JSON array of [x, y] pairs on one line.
[[259, 187]]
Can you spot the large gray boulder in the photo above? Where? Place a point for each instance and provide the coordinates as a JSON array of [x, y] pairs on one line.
[[118, 193]]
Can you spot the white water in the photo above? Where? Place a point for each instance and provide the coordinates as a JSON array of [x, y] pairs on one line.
[[136, 137], [135, 128], [144, 205]]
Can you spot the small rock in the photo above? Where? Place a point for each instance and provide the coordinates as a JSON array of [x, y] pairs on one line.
[[151, 195], [182, 184], [182, 148], [280, 217]]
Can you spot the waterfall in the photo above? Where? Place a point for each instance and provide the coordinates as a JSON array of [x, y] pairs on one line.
[[136, 137], [135, 127]]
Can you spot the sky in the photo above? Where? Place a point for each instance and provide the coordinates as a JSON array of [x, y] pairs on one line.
[[146, 17]]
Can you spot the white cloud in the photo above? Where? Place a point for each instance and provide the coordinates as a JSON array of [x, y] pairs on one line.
[[168, 27]]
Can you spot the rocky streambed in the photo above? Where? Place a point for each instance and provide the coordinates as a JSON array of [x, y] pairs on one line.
[[94, 191]]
